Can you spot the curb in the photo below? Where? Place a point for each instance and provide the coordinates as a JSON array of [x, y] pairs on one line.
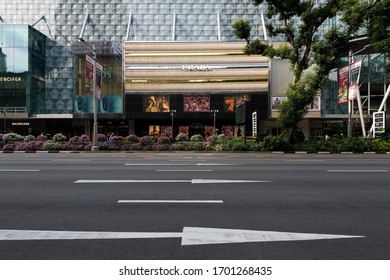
[[129, 152]]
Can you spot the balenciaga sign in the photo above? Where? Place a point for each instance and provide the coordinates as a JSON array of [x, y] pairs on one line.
[[10, 79], [191, 67]]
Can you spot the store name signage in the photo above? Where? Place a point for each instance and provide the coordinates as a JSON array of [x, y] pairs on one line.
[[107, 75], [10, 79], [20, 123], [191, 67]]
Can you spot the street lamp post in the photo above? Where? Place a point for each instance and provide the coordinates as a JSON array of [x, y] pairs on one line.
[[172, 115], [5, 121], [95, 146], [215, 117]]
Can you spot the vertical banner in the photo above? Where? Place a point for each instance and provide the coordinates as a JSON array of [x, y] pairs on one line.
[[99, 80], [353, 87], [343, 85], [354, 79], [89, 69], [88, 75]]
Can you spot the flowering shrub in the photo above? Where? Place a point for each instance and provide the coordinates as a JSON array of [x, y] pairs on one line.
[[74, 140], [145, 140], [102, 138], [30, 146], [85, 138], [1, 136], [9, 147], [212, 139], [116, 139], [41, 137], [132, 138], [163, 140]]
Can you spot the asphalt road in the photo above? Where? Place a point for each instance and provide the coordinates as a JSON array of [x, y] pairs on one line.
[[65, 197]]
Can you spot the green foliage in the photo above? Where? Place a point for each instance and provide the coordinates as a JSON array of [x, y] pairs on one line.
[[196, 138], [275, 143], [29, 138], [301, 20], [59, 137], [242, 29], [52, 145], [181, 137], [12, 137]]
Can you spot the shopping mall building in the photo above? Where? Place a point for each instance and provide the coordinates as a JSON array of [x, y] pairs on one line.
[[165, 64]]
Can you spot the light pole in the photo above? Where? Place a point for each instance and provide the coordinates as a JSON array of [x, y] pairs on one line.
[[5, 121], [172, 115], [350, 102], [215, 117], [95, 146]]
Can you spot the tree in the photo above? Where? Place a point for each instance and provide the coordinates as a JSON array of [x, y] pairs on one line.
[[373, 17], [299, 22], [242, 29]]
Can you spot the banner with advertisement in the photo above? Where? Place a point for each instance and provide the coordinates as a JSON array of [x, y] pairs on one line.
[[354, 79], [99, 80], [343, 85], [344, 79], [196, 103], [156, 103], [89, 82], [88, 75]]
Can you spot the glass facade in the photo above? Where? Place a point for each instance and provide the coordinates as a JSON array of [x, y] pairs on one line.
[[22, 69], [43, 75]]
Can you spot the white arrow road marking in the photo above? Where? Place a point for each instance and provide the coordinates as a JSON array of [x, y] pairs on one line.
[[190, 235], [200, 236], [193, 181], [76, 235]]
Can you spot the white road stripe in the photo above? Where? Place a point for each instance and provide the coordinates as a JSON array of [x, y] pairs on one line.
[[193, 181], [173, 201], [19, 170], [358, 171], [184, 170], [180, 164], [304, 160]]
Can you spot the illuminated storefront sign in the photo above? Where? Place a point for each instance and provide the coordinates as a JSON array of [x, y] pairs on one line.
[[10, 79], [196, 68]]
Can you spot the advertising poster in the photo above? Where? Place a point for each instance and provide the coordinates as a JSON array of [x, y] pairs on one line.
[[196, 103], [154, 130], [185, 130], [238, 130], [315, 105], [166, 131], [227, 130], [156, 103], [229, 103], [277, 101], [208, 131]]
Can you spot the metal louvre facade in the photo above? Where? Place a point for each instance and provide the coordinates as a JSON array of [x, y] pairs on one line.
[[216, 67]]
